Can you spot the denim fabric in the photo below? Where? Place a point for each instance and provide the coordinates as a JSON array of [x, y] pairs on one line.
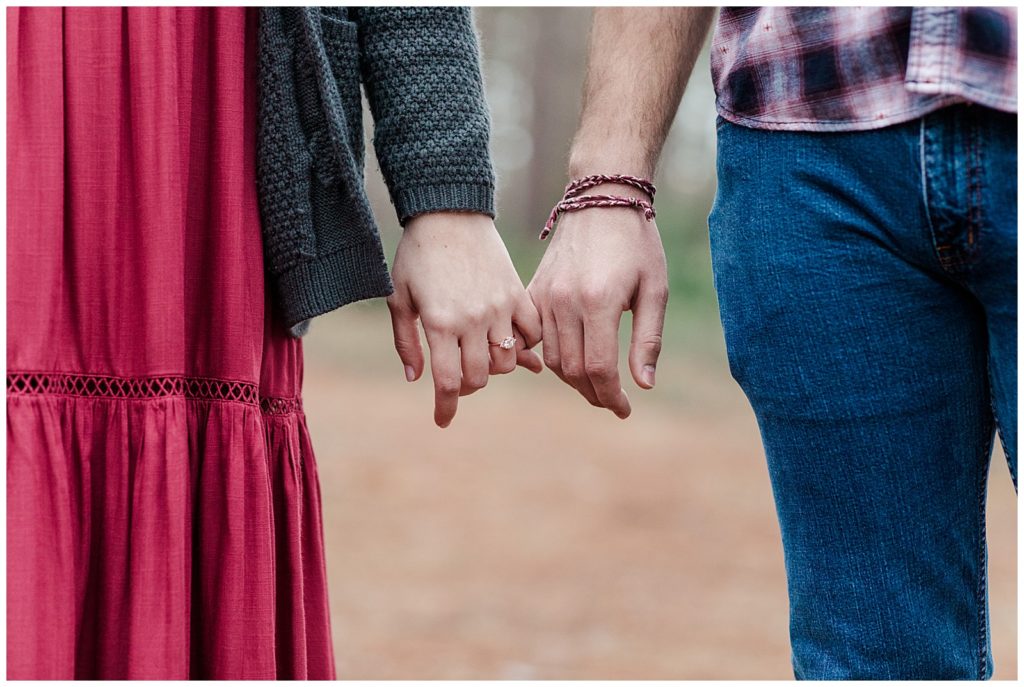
[[867, 284]]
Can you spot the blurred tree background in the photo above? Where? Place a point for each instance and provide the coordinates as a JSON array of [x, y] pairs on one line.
[[538, 537]]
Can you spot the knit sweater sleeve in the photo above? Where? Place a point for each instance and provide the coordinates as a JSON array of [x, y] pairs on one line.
[[421, 72]]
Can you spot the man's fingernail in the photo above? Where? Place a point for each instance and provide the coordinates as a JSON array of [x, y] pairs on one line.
[[648, 374], [626, 409], [410, 374]]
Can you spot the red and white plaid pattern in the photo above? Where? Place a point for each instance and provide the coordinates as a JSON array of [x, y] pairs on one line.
[[855, 68]]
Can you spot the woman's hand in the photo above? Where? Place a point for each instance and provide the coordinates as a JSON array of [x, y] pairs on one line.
[[452, 271]]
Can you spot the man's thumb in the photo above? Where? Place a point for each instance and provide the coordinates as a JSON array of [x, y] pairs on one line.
[[648, 323]]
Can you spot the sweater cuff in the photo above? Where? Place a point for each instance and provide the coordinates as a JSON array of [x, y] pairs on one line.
[[417, 200], [330, 281]]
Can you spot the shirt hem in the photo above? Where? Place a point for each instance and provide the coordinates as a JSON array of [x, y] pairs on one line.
[[837, 125]]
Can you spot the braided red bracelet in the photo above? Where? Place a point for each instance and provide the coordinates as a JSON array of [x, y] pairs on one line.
[[572, 200]]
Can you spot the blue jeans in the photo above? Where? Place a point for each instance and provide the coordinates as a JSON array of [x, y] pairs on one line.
[[867, 284]]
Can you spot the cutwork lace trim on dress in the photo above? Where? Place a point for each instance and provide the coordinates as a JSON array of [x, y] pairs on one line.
[[192, 388]]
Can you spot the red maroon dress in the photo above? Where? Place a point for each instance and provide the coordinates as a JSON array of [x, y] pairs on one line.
[[163, 508]]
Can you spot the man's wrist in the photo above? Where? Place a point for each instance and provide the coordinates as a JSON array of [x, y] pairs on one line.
[[578, 170], [609, 155], [603, 191]]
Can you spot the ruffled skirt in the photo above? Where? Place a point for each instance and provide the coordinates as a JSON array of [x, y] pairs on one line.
[[163, 507]]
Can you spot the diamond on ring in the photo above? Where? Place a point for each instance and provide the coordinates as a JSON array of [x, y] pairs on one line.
[[507, 343]]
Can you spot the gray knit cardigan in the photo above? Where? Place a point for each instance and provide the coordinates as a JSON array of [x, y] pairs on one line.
[[420, 68]]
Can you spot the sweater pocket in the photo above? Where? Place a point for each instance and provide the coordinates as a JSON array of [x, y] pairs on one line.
[[341, 42], [283, 160]]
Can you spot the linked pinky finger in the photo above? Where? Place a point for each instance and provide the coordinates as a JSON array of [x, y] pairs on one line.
[[524, 356]]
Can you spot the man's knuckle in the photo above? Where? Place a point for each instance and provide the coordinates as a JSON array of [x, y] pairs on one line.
[[404, 344], [600, 370], [573, 370], [562, 294], [594, 295], [652, 341]]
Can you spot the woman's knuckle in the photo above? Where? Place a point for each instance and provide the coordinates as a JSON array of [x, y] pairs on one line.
[[448, 385], [440, 321]]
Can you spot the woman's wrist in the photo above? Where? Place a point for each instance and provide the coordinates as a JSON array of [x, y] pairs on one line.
[[469, 197], [468, 218]]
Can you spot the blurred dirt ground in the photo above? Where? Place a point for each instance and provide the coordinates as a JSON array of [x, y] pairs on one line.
[[538, 537]]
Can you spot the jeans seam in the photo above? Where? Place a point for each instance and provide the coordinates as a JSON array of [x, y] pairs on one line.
[[999, 427], [940, 250], [974, 189], [959, 251], [982, 589], [924, 179]]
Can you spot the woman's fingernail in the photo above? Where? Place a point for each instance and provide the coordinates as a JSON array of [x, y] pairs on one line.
[[410, 374], [649, 374]]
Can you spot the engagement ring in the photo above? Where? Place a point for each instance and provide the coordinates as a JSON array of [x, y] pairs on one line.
[[507, 343]]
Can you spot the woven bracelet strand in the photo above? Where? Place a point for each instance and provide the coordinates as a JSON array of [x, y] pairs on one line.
[[572, 200]]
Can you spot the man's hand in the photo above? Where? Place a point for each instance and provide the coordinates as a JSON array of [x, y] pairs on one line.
[[452, 271], [602, 262]]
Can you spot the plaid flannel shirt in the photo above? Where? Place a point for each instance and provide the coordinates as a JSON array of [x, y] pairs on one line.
[[856, 68]]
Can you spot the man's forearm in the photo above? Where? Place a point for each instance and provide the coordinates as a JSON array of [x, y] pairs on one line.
[[639, 62]]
